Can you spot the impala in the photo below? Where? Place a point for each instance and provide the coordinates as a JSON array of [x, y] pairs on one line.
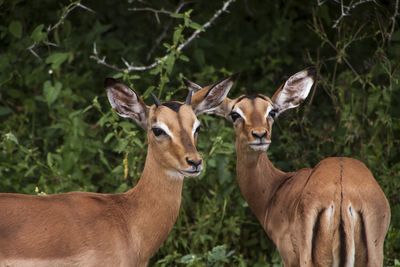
[[90, 229], [334, 214]]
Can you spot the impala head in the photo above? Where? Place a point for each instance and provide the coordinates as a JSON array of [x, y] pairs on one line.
[[172, 127], [254, 115]]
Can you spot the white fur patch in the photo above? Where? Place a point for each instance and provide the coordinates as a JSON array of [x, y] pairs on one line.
[[175, 175], [195, 125], [351, 250], [240, 112], [269, 108], [259, 147], [164, 127], [331, 213]]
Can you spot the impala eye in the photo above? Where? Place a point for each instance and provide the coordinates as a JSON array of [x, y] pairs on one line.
[[197, 130], [234, 116], [158, 131], [272, 113]]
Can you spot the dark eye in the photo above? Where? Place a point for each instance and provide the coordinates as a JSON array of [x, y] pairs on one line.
[[197, 130], [158, 131], [272, 113], [234, 116]]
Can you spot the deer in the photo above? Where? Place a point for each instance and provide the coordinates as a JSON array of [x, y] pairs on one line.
[[94, 229], [334, 214]]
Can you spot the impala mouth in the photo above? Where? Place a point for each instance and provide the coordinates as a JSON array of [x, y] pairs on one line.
[[191, 173], [260, 146]]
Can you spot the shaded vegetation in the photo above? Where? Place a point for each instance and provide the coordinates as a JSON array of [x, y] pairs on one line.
[[58, 134]]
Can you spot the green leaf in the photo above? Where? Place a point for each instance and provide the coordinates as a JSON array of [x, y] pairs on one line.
[[4, 111], [187, 259], [196, 26], [184, 58], [108, 137], [10, 136], [51, 92], [169, 63], [177, 35], [15, 28], [56, 59], [177, 15], [38, 34]]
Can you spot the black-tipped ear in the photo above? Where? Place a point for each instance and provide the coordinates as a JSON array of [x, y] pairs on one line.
[[126, 102], [312, 72], [188, 100], [109, 82], [295, 90], [191, 85]]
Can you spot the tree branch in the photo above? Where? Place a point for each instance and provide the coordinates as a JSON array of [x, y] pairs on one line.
[[393, 19], [345, 10], [67, 10], [130, 67], [205, 25], [164, 31]]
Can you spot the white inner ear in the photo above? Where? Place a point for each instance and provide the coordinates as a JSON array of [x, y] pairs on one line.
[[195, 125], [214, 98], [294, 90], [164, 127], [240, 112], [269, 108], [133, 104]]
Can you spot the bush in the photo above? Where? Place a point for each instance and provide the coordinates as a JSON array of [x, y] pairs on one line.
[[58, 133]]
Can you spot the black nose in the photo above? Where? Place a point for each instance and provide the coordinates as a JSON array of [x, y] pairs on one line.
[[194, 163], [259, 134]]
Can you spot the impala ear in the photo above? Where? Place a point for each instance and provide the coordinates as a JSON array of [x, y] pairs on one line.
[[294, 91], [192, 86], [126, 102], [212, 99]]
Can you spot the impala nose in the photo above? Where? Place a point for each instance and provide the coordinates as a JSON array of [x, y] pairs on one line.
[[193, 162], [259, 134]]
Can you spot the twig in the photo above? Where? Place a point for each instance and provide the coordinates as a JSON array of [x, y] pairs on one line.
[[319, 29], [393, 19], [205, 25], [30, 49], [67, 10], [154, 11], [129, 67], [345, 10], [164, 31]]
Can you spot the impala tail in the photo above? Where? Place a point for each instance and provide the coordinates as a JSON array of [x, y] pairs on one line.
[[350, 219]]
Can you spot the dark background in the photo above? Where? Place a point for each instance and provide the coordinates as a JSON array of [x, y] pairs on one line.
[[58, 134]]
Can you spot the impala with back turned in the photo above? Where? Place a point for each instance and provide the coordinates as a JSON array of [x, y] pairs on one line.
[[334, 214]]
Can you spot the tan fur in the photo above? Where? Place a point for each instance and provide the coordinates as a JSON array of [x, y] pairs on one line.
[[334, 214], [288, 204], [90, 229]]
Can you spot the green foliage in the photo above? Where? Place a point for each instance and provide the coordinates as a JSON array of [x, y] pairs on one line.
[[58, 133]]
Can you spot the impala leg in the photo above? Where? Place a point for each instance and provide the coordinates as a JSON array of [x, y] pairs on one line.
[[375, 237], [288, 255], [305, 235]]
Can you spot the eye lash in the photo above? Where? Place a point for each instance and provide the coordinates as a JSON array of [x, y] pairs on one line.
[[158, 131], [197, 129], [234, 116], [272, 113]]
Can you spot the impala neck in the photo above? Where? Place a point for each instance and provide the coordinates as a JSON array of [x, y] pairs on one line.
[[154, 205], [258, 179]]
